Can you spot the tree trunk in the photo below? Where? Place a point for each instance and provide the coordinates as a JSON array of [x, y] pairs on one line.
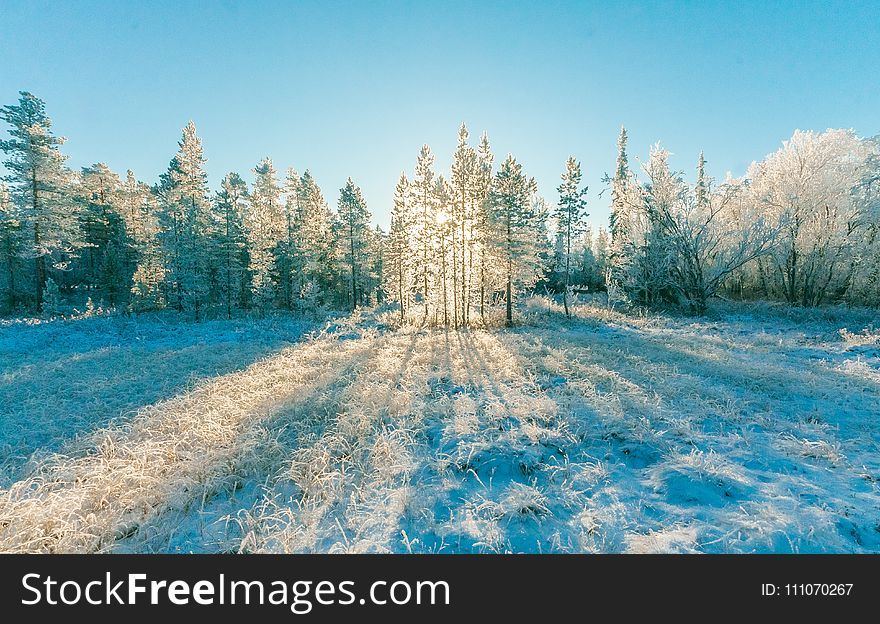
[[567, 267], [509, 295], [443, 269], [464, 283], [509, 273], [454, 280], [40, 259], [400, 288], [353, 269], [10, 264]]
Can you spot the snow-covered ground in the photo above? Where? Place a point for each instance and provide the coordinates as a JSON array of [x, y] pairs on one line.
[[60, 379], [756, 429]]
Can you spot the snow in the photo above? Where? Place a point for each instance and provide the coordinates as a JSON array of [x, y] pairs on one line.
[[63, 378], [754, 429]]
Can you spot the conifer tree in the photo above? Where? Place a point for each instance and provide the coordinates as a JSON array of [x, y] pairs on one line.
[[482, 225], [423, 197], [314, 240], [286, 252], [105, 260], [570, 213], [512, 222], [600, 253], [140, 210], [625, 201], [40, 186], [354, 235], [233, 260], [464, 171], [443, 232], [264, 225], [377, 251], [400, 249], [12, 245], [186, 225]]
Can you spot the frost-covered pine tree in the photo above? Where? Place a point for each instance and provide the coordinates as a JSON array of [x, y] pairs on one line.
[[424, 211], [626, 202], [464, 180], [570, 215], [400, 247], [105, 260], [40, 184], [141, 212], [185, 217], [375, 279], [587, 266], [482, 229], [12, 246], [51, 301], [443, 258], [353, 236], [543, 257], [314, 239], [512, 224], [233, 260], [264, 225], [601, 250], [287, 261]]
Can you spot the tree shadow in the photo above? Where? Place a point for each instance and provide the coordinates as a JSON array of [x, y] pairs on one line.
[[63, 379]]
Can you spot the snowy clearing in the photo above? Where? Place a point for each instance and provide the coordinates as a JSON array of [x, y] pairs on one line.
[[59, 379], [752, 430]]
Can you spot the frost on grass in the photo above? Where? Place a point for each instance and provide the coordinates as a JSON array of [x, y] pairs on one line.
[[751, 430], [64, 378]]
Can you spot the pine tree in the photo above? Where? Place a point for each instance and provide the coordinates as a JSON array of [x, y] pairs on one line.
[[480, 201], [51, 300], [464, 172], [702, 189], [617, 218], [105, 262], [314, 240], [400, 249], [600, 252], [376, 253], [570, 213], [625, 203], [145, 258], [186, 223], [12, 245], [40, 186], [423, 197], [286, 252], [542, 260], [443, 232], [512, 222], [233, 260], [354, 232], [264, 224]]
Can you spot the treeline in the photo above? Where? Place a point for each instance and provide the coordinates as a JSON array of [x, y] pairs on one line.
[[66, 236], [802, 226]]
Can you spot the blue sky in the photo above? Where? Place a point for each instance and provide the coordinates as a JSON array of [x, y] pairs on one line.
[[355, 88]]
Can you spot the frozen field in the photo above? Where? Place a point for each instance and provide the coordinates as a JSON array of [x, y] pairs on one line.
[[756, 429], [60, 379]]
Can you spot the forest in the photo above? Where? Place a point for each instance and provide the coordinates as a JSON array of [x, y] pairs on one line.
[[254, 368], [802, 226]]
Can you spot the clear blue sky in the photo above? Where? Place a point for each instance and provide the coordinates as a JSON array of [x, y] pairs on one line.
[[355, 88]]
